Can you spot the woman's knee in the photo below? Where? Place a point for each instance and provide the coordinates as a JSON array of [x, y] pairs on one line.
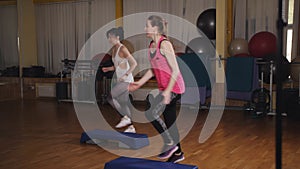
[[149, 115]]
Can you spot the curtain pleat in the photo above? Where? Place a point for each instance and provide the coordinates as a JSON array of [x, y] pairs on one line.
[[8, 36], [64, 28]]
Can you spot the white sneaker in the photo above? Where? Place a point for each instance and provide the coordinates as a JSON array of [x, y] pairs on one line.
[[130, 129], [125, 121]]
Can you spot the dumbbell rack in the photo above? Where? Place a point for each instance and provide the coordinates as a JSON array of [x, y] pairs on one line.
[[271, 110], [84, 69]]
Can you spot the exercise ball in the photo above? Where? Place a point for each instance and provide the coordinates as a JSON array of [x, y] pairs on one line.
[[265, 68], [295, 69], [128, 45], [262, 44], [205, 50], [201, 45], [206, 22], [238, 46]]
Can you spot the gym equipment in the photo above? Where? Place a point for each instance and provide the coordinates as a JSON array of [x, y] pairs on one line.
[[106, 88], [83, 71], [206, 22], [103, 78], [196, 78], [125, 140], [83, 81], [291, 102], [138, 163], [268, 72], [61, 90], [262, 44], [238, 46], [33, 71], [241, 77], [68, 66], [102, 60], [261, 100], [12, 71], [295, 69]]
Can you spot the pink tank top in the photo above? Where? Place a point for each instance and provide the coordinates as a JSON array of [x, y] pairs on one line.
[[163, 71]]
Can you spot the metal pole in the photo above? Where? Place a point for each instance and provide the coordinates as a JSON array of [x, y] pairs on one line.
[[271, 88], [278, 128]]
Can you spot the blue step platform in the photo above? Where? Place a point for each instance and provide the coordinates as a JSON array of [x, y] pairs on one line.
[[125, 140], [137, 163]]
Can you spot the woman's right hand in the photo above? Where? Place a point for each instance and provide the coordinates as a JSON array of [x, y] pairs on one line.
[[105, 69], [134, 86]]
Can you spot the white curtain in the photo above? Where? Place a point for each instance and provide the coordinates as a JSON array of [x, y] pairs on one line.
[[186, 9], [63, 29], [252, 16], [8, 36]]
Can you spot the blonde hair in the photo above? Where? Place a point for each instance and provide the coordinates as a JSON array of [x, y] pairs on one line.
[[160, 23]]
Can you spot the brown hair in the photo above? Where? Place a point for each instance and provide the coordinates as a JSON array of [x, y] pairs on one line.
[[117, 32], [160, 23]]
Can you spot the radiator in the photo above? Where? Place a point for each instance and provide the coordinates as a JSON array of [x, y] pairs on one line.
[[45, 90]]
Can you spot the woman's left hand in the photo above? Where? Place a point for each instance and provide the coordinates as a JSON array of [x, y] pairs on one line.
[[122, 79], [167, 97]]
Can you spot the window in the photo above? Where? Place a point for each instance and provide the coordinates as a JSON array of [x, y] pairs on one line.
[[289, 30]]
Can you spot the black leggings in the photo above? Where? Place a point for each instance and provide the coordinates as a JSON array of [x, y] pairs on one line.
[[167, 127]]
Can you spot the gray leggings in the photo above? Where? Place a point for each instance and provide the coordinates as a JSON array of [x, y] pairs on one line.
[[120, 98]]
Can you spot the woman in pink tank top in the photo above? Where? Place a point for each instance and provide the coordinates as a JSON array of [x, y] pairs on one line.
[[170, 84]]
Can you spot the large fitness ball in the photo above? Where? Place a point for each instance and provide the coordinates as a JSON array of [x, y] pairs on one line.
[[206, 22], [237, 47], [201, 45], [262, 44], [266, 69], [295, 69], [205, 50]]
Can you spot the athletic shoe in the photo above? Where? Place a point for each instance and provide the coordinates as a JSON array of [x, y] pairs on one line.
[[175, 158], [130, 129], [125, 121], [168, 151]]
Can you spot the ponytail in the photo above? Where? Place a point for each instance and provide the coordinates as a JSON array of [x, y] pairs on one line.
[[117, 32]]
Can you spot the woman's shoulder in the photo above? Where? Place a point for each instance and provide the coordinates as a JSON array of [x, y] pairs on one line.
[[124, 52], [165, 42]]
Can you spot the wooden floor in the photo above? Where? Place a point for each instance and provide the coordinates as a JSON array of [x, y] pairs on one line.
[[43, 134]]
